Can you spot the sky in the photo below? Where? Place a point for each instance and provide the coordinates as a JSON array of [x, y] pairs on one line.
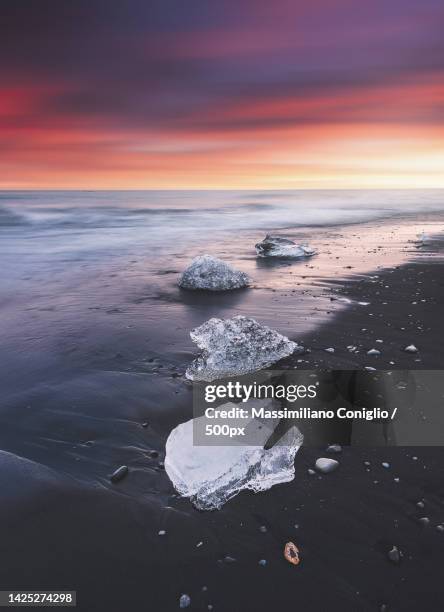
[[171, 94]]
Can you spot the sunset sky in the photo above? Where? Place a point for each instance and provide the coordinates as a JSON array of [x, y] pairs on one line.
[[133, 94]]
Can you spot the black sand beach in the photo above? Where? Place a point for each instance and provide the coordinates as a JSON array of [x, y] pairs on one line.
[[65, 525]]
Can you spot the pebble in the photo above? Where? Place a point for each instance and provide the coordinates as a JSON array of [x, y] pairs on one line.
[[311, 472], [394, 555], [411, 348], [424, 521], [420, 504], [373, 351], [145, 424], [385, 465], [153, 454], [162, 532], [263, 529], [325, 465], [329, 350], [370, 369], [263, 562], [184, 601], [334, 448], [119, 474], [439, 527]]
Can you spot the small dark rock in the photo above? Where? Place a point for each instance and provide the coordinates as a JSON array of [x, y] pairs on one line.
[[119, 474], [394, 555], [334, 448]]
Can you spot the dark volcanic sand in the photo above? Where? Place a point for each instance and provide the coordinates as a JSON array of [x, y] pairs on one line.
[[405, 306], [102, 540]]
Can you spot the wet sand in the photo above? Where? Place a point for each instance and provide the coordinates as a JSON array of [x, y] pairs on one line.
[[64, 525]]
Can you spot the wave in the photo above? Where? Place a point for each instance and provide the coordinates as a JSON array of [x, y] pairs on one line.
[[8, 218], [219, 210]]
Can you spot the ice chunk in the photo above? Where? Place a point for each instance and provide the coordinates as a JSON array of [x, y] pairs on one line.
[[211, 475], [423, 239], [275, 246], [209, 273], [236, 346]]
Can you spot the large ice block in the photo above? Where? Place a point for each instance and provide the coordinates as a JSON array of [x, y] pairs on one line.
[[211, 475]]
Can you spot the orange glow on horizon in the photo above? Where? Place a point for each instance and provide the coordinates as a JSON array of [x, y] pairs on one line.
[[293, 142]]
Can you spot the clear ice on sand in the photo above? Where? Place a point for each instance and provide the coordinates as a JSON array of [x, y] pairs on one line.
[[211, 274], [211, 475], [275, 246], [236, 346]]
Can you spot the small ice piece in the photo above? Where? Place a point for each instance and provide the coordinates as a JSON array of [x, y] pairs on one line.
[[423, 238], [236, 346], [329, 350], [276, 246], [211, 274], [326, 465], [211, 475], [411, 348], [385, 465], [184, 601], [373, 351], [162, 532]]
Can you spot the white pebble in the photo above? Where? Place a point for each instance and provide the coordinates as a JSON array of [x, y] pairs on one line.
[[326, 465], [411, 348]]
